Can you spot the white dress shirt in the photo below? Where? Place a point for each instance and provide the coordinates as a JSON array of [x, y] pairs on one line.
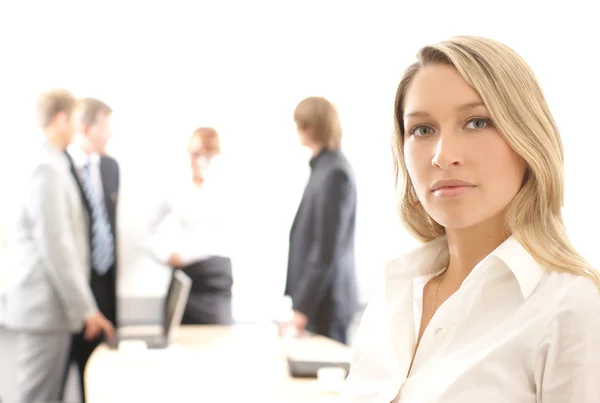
[[513, 332], [192, 221], [80, 159]]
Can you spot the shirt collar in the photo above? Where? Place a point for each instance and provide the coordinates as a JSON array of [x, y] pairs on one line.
[[313, 161], [321, 155], [80, 158], [55, 152], [432, 256]]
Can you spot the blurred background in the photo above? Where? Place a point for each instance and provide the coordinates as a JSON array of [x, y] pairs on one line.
[[166, 68]]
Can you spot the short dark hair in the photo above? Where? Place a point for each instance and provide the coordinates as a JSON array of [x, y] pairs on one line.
[[91, 108]]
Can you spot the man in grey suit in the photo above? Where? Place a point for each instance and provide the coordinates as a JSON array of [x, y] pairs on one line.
[[321, 269], [97, 176], [49, 294]]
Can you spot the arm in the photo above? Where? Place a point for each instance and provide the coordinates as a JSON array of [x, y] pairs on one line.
[[115, 200], [319, 272], [567, 363], [53, 236], [373, 359], [160, 239], [117, 175]]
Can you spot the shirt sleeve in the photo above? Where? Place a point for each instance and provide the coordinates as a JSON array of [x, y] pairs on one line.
[[567, 363], [369, 376], [162, 231]]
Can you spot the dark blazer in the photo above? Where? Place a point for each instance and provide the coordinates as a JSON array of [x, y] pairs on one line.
[[103, 287], [109, 172], [321, 269]]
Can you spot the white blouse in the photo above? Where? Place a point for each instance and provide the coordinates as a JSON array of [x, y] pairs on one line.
[[192, 221], [513, 332]]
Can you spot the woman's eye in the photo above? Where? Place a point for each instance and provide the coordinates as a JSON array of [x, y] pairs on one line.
[[477, 124], [421, 131]]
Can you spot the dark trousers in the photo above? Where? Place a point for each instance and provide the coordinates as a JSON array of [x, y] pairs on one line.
[[210, 296], [103, 288], [330, 320], [336, 329]]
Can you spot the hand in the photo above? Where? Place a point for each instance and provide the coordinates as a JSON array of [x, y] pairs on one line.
[[95, 324], [299, 321], [175, 261], [295, 326]]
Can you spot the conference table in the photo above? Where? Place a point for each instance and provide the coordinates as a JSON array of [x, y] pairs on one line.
[[205, 363]]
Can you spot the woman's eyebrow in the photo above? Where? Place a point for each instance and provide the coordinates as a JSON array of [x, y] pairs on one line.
[[416, 113], [470, 105], [463, 107]]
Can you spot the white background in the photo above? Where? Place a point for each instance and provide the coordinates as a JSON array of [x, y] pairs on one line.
[[168, 67]]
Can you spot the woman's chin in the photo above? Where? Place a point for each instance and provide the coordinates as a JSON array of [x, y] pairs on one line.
[[454, 220]]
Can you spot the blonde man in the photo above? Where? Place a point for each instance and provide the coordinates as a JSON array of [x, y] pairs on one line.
[[49, 294]]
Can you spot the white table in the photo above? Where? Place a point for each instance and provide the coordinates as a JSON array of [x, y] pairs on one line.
[[211, 364]]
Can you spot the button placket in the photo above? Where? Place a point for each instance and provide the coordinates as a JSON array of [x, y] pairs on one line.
[[439, 332]]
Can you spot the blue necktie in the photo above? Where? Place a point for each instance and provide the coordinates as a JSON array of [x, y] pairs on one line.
[[102, 239]]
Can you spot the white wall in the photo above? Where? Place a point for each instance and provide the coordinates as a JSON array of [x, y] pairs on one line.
[[167, 67]]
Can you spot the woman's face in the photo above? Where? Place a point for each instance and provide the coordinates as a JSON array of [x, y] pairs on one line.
[[463, 171], [201, 153]]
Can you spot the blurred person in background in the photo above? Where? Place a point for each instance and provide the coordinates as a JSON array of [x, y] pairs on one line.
[[97, 177], [321, 278], [49, 295], [189, 230]]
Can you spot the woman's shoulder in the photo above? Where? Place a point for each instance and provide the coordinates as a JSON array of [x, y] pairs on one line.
[[577, 297], [422, 259], [572, 303], [573, 286]]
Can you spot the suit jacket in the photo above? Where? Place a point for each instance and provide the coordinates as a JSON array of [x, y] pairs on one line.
[[321, 269], [109, 173], [48, 251]]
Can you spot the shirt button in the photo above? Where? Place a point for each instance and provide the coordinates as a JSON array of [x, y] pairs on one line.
[[440, 333]]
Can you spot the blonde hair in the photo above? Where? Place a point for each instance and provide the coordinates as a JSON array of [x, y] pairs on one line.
[[320, 116], [52, 102], [519, 110], [91, 108]]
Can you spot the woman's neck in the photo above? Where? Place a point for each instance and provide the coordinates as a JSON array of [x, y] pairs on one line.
[[469, 246]]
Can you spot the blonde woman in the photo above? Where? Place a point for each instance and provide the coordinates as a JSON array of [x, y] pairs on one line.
[[496, 305]]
